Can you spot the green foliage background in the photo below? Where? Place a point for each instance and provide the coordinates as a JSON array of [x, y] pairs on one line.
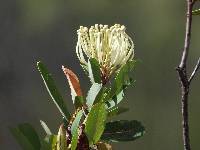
[[32, 30]]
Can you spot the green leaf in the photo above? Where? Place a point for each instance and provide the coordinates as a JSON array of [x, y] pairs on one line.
[[94, 70], [45, 145], [53, 91], [50, 143], [45, 127], [26, 136], [30, 133], [196, 12], [92, 94], [116, 111], [116, 99], [51, 140], [61, 139], [76, 122], [95, 123], [74, 130], [100, 96], [79, 101], [123, 130], [21, 139], [65, 122], [129, 82], [122, 78], [107, 93], [121, 82], [74, 140]]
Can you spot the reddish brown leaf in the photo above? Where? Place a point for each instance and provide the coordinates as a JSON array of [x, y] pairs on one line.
[[73, 82]]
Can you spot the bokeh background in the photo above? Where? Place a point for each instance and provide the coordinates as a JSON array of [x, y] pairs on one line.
[[32, 30]]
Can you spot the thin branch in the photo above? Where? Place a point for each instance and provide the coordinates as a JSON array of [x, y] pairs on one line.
[[196, 68], [187, 34], [182, 72]]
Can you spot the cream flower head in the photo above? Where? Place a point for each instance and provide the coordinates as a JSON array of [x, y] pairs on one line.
[[111, 47]]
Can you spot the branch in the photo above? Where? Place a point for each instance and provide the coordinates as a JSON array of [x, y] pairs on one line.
[[196, 68], [187, 35], [182, 72]]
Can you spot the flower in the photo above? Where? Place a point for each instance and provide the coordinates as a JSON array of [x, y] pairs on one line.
[[111, 47]]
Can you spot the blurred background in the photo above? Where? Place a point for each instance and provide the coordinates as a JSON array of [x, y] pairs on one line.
[[32, 30]]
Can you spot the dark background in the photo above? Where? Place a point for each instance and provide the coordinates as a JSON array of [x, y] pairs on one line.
[[32, 30]]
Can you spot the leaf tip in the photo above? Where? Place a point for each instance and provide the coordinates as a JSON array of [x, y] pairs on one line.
[[38, 63], [63, 67]]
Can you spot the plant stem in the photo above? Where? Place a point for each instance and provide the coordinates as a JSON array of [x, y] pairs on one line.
[[183, 77]]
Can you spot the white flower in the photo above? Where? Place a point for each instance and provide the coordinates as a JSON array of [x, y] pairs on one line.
[[111, 47]]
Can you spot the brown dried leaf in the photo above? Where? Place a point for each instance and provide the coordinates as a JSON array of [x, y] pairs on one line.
[[104, 146], [73, 82]]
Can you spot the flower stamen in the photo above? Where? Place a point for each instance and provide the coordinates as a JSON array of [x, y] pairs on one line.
[[111, 47]]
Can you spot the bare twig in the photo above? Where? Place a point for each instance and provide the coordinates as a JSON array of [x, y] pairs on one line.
[[196, 68], [183, 77]]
